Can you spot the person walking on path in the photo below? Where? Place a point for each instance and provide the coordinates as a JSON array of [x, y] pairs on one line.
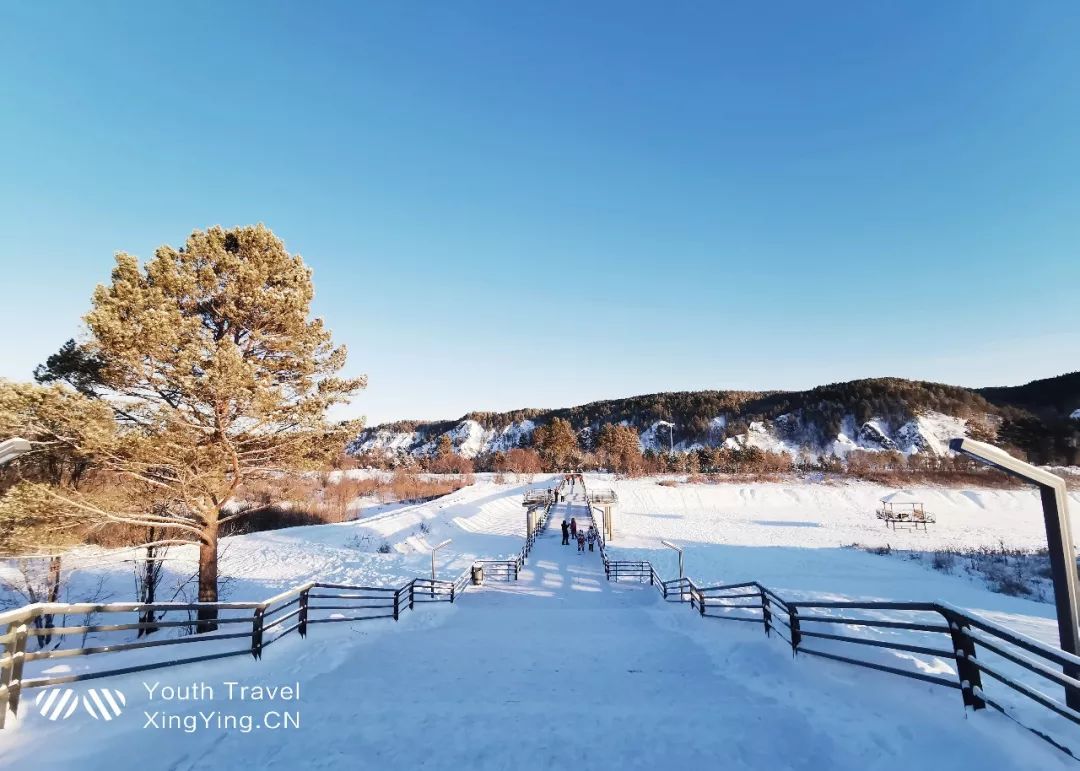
[[581, 541], [591, 537], [573, 528], [565, 533]]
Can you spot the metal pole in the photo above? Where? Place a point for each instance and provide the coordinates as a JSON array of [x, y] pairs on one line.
[[434, 549], [1063, 567], [682, 592], [1058, 541]]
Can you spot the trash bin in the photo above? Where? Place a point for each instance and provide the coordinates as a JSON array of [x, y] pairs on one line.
[[477, 575]]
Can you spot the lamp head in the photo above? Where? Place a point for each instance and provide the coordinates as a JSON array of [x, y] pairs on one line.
[[13, 448]]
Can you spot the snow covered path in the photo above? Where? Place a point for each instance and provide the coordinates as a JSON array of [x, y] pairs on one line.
[[559, 670]]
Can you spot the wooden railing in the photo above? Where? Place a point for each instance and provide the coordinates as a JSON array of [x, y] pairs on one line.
[[976, 646]]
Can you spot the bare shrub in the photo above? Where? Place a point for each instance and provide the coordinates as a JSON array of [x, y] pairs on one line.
[[413, 488], [1016, 572], [339, 495], [360, 541], [523, 461], [943, 561]]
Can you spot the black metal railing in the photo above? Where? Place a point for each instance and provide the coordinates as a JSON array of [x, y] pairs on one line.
[[256, 624], [926, 633], [501, 570]]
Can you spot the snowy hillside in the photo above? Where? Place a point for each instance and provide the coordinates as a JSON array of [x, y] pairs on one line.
[[468, 438], [1039, 418], [926, 433], [387, 547]]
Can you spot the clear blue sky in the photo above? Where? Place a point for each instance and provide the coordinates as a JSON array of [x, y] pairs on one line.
[[516, 204]]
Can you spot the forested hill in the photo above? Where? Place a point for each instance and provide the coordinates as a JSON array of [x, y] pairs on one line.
[[879, 413]]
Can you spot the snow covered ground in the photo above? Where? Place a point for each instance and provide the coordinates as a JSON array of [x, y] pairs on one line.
[[485, 520], [806, 514], [796, 539], [559, 670]]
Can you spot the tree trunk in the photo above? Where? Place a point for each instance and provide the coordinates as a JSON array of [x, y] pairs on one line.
[[151, 575], [52, 595], [208, 574]]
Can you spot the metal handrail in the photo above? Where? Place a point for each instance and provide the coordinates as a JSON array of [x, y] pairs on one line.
[[295, 605], [964, 630]]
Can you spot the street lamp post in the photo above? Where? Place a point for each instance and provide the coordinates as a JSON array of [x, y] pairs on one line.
[[12, 449], [433, 550], [681, 573], [1058, 540]]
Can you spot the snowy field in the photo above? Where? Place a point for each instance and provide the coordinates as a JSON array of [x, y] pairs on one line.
[[564, 669], [797, 537], [559, 670]]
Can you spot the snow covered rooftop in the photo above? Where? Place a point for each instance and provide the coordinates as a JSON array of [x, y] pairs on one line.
[[902, 497]]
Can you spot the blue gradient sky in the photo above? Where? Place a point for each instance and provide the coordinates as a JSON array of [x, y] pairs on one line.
[[538, 204]]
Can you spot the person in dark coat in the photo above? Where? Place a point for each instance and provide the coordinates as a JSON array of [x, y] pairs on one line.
[[565, 533]]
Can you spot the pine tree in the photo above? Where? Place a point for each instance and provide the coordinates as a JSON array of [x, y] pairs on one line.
[[557, 444], [217, 376], [620, 448]]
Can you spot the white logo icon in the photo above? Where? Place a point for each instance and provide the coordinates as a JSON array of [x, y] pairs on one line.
[[104, 703], [56, 703], [60, 703]]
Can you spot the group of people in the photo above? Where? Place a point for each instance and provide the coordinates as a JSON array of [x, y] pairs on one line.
[[571, 531]]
